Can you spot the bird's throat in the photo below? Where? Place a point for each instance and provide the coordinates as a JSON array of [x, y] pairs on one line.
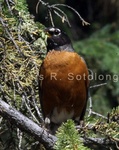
[[66, 47]]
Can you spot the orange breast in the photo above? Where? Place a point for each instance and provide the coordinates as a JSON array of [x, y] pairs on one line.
[[64, 85]]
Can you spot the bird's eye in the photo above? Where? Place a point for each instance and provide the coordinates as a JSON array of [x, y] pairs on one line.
[[54, 31], [57, 32]]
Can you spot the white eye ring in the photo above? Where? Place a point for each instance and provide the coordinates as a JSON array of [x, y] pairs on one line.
[[52, 29], [57, 32]]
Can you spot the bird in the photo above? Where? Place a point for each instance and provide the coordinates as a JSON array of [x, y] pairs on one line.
[[63, 81]]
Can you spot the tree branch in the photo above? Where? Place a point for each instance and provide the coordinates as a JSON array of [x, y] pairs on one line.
[[48, 140], [27, 125]]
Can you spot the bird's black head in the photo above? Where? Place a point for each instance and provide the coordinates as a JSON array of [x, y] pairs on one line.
[[57, 40]]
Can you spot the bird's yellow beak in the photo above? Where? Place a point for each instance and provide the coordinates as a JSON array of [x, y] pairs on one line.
[[47, 33]]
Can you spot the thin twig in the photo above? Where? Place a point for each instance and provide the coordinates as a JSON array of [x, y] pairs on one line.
[[51, 18], [90, 105], [24, 98], [27, 43], [64, 5], [10, 10], [97, 114], [65, 16], [37, 6], [36, 107], [1, 119], [9, 34], [55, 6], [26, 101], [20, 136], [98, 85]]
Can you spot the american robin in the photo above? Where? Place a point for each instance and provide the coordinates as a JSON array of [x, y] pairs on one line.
[[63, 81]]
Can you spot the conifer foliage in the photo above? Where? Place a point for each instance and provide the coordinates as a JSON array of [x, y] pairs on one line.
[[22, 48]]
